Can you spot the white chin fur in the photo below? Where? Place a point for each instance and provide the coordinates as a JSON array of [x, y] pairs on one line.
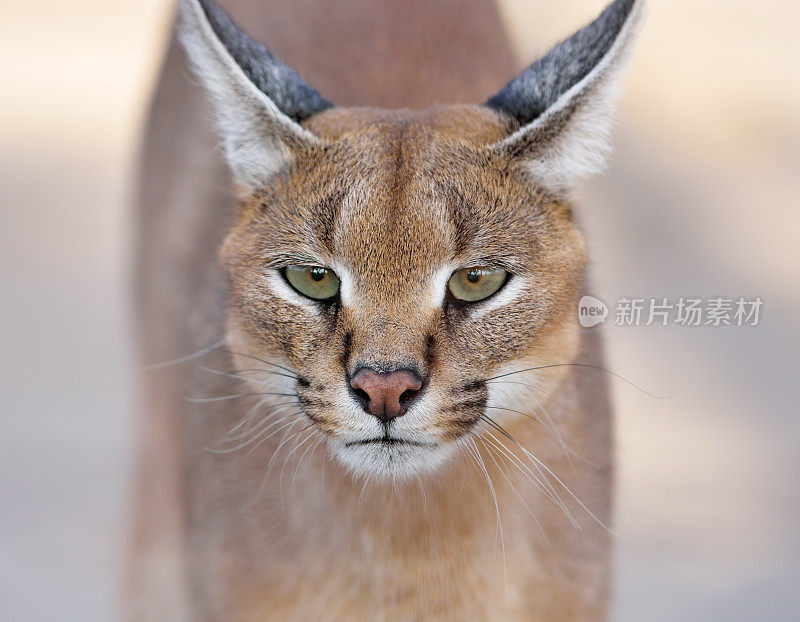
[[391, 461]]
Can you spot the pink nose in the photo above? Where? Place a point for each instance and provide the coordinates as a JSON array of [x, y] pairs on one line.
[[386, 395]]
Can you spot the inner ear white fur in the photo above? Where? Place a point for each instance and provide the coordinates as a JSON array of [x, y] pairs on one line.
[[570, 139], [257, 136]]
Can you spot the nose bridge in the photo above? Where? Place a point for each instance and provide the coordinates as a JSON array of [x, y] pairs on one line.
[[386, 341]]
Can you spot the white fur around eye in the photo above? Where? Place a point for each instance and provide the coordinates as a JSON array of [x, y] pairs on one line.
[[439, 284], [346, 294], [509, 292], [278, 286]]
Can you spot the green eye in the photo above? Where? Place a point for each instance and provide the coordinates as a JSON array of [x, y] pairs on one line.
[[474, 284], [313, 281]]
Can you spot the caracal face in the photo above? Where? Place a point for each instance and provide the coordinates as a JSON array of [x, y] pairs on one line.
[[386, 266], [395, 204]]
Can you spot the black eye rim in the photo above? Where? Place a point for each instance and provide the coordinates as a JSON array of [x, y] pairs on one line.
[[325, 301], [466, 304]]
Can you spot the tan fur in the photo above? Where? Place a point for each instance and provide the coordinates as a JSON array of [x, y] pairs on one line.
[[427, 192], [261, 534]]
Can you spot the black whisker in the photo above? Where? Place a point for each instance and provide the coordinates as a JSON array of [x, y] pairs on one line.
[[526, 384], [255, 358], [529, 416], [233, 375], [586, 365]]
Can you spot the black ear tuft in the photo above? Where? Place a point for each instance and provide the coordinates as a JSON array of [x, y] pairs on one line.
[[537, 88], [293, 96]]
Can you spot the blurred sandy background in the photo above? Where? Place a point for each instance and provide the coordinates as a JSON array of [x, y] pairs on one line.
[[701, 200]]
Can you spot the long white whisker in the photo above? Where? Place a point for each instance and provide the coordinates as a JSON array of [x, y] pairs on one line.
[[297, 446], [295, 417], [263, 362], [527, 384], [422, 490], [234, 396], [496, 506], [245, 378], [287, 437], [522, 467], [187, 358], [553, 428], [562, 484], [283, 442], [246, 418], [361, 495], [554, 496], [571, 494], [583, 366], [504, 473], [524, 414], [312, 448], [250, 440], [553, 425], [250, 415]]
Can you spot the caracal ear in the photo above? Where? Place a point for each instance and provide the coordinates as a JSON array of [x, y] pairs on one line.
[[565, 100], [258, 99]]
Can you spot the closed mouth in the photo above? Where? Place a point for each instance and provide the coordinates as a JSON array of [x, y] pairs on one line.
[[388, 441]]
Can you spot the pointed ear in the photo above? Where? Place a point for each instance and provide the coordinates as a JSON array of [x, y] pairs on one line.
[[565, 100], [259, 101]]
